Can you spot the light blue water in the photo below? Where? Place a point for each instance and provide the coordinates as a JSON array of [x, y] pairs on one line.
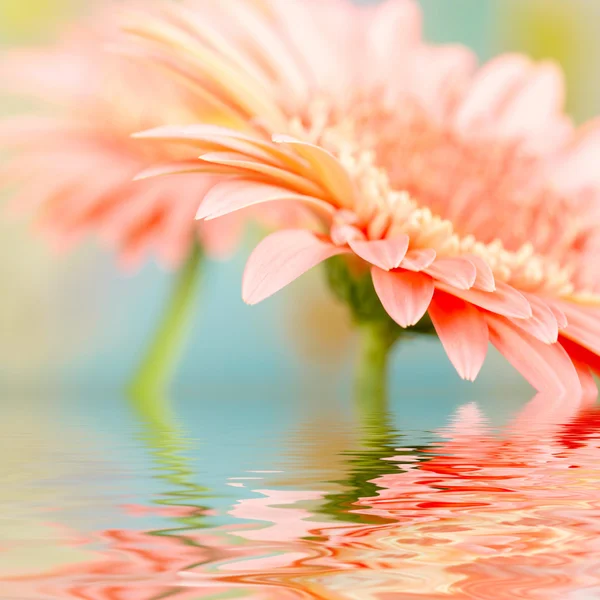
[[271, 491]]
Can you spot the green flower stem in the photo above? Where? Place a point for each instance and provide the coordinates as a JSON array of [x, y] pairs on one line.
[[376, 339], [159, 363]]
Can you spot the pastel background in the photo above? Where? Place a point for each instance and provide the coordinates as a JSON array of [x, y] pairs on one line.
[[75, 322]]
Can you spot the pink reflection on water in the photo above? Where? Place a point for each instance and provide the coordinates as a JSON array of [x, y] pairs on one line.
[[515, 515], [483, 514]]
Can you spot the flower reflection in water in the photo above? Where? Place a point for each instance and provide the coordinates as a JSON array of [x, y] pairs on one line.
[[480, 514]]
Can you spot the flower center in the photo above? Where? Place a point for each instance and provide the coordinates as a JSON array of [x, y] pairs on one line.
[[479, 197]]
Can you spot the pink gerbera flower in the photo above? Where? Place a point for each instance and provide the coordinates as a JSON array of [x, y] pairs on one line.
[[466, 193], [75, 169]]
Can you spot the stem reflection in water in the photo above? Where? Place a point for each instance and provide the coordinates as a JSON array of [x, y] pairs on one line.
[[163, 436]]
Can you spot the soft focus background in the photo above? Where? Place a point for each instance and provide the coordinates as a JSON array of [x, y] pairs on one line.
[[75, 322]]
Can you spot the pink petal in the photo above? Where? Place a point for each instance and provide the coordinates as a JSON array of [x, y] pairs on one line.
[[504, 301], [201, 136], [559, 315], [485, 280], [439, 74], [584, 325], [577, 167], [417, 260], [457, 272], [342, 234], [491, 87], [280, 258], [588, 383], [580, 354], [248, 167], [326, 167], [233, 195], [404, 295], [463, 331], [542, 325], [536, 104], [547, 368], [385, 254], [387, 51], [174, 168]]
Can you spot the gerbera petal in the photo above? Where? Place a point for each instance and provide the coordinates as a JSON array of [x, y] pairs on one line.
[[201, 136], [584, 325], [180, 167], [588, 384], [342, 234], [577, 166], [463, 331], [536, 103], [404, 295], [388, 51], [581, 354], [280, 258], [547, 367], [490, 89], [504, 301], [278, 176], [542, 324], [233, 195], [418, 260], [386, 254], [485, 280], [559, 315], [457, 272], [327, 168]]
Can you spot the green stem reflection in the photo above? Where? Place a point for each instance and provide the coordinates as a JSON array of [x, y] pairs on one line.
[[167, 442], [160, 361]]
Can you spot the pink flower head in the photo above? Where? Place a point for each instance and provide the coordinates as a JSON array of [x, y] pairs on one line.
[[76, 168], [466, 192]]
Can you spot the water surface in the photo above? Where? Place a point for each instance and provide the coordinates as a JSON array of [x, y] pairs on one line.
[[256, 493]]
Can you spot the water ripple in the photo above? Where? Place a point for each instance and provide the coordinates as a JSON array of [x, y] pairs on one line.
[[479, 512]]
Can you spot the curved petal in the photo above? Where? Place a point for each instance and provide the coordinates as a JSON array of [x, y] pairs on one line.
[[504, 301], [559, 315], [386, 254], [577, 165], [547, 367], [202, 136], [233, 195], [580, 354], [457, 272], [279, 259], [485, 280], [276, 175], [584, 325], [537, 102], [405, 295], [542, 325], [417, 260], [179, 167], [328, 169], [491, 87], [342, 234], [588, 384], [463, 331]]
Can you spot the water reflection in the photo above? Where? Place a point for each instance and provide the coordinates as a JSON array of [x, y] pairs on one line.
[[478, 512]]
